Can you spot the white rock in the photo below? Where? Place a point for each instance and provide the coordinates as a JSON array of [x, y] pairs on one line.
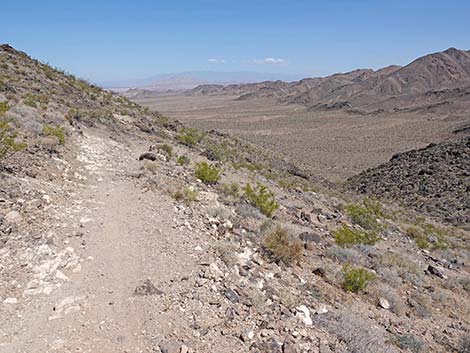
[[384, 303], [10, 301], [304, 314], [12, 216], [213, 272], [321, 309], [60, 275]]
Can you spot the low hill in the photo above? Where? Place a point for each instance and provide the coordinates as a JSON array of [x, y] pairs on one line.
[[434, 181]]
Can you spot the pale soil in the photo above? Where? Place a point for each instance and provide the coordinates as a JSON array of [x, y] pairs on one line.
[[335, 145], [126, 236]]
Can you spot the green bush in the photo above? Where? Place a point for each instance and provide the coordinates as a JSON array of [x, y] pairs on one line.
[[8, 140], [56, 131], [346, 236], [190, 137], [283, 246], [366, 215], [183, 160], [355, 279], [208, 173], [262, 198]]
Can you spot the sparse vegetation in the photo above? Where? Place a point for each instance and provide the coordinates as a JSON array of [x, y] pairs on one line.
[[56, 131], [230, 190], [464, 344], [207, 173], [186, 195], [262, 198], [282, 246], [166, 149], [347, 236], [8, 142], [183, 160], [33, 100], [427, 236], [190, 137], [366, 215], [356, 279]]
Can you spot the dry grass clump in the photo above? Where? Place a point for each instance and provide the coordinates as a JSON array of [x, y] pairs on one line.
[[187, 195], [283, 247]]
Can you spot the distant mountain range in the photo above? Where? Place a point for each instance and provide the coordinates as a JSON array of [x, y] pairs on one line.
[[190, 79], [431, 81]]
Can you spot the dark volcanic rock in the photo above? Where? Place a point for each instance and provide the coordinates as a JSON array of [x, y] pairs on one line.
[[434, 180], [147, 155]]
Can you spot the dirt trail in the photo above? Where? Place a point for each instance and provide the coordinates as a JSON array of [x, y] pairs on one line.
[[126, 237]]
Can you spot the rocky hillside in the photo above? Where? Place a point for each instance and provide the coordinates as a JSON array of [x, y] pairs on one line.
[[124, 231], [434, 180], [390, 89]]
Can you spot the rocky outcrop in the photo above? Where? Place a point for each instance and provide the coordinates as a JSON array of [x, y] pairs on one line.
[[434, 180]]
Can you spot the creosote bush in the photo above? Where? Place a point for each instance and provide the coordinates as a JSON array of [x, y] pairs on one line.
[[355, 279], [56, 131], [283, 246], [207, 173], [366, 215], [347, 236], [32, 100], [262, 198], [8, 142], [190, 137]]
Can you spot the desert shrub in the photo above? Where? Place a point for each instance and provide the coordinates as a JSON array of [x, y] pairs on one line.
[[347, 236], [216, 152], [343, 255], [262, 198], [207, 173], [190, 137], [464, 344], [409, 341], [8, 142], [3, 108], [356, 279], [427, 236], [186, 195], [231, 190], [56, 131], [282, 246], [182, 160], [166, 149], [366, 215], [359, 334], [247, 165], [32, 100], [248, 211]]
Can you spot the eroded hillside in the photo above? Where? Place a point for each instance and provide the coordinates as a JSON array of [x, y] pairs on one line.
[[124, 231]]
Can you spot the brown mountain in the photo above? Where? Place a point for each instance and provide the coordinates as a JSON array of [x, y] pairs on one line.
[[425, 83]]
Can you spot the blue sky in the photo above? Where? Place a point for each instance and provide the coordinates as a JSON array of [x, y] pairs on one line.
[[112, 40]]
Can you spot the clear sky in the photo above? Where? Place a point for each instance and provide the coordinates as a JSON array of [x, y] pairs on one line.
[[111, 40]]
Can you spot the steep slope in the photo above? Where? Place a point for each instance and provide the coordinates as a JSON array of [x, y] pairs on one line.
[[434, 180], [122, 231]]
